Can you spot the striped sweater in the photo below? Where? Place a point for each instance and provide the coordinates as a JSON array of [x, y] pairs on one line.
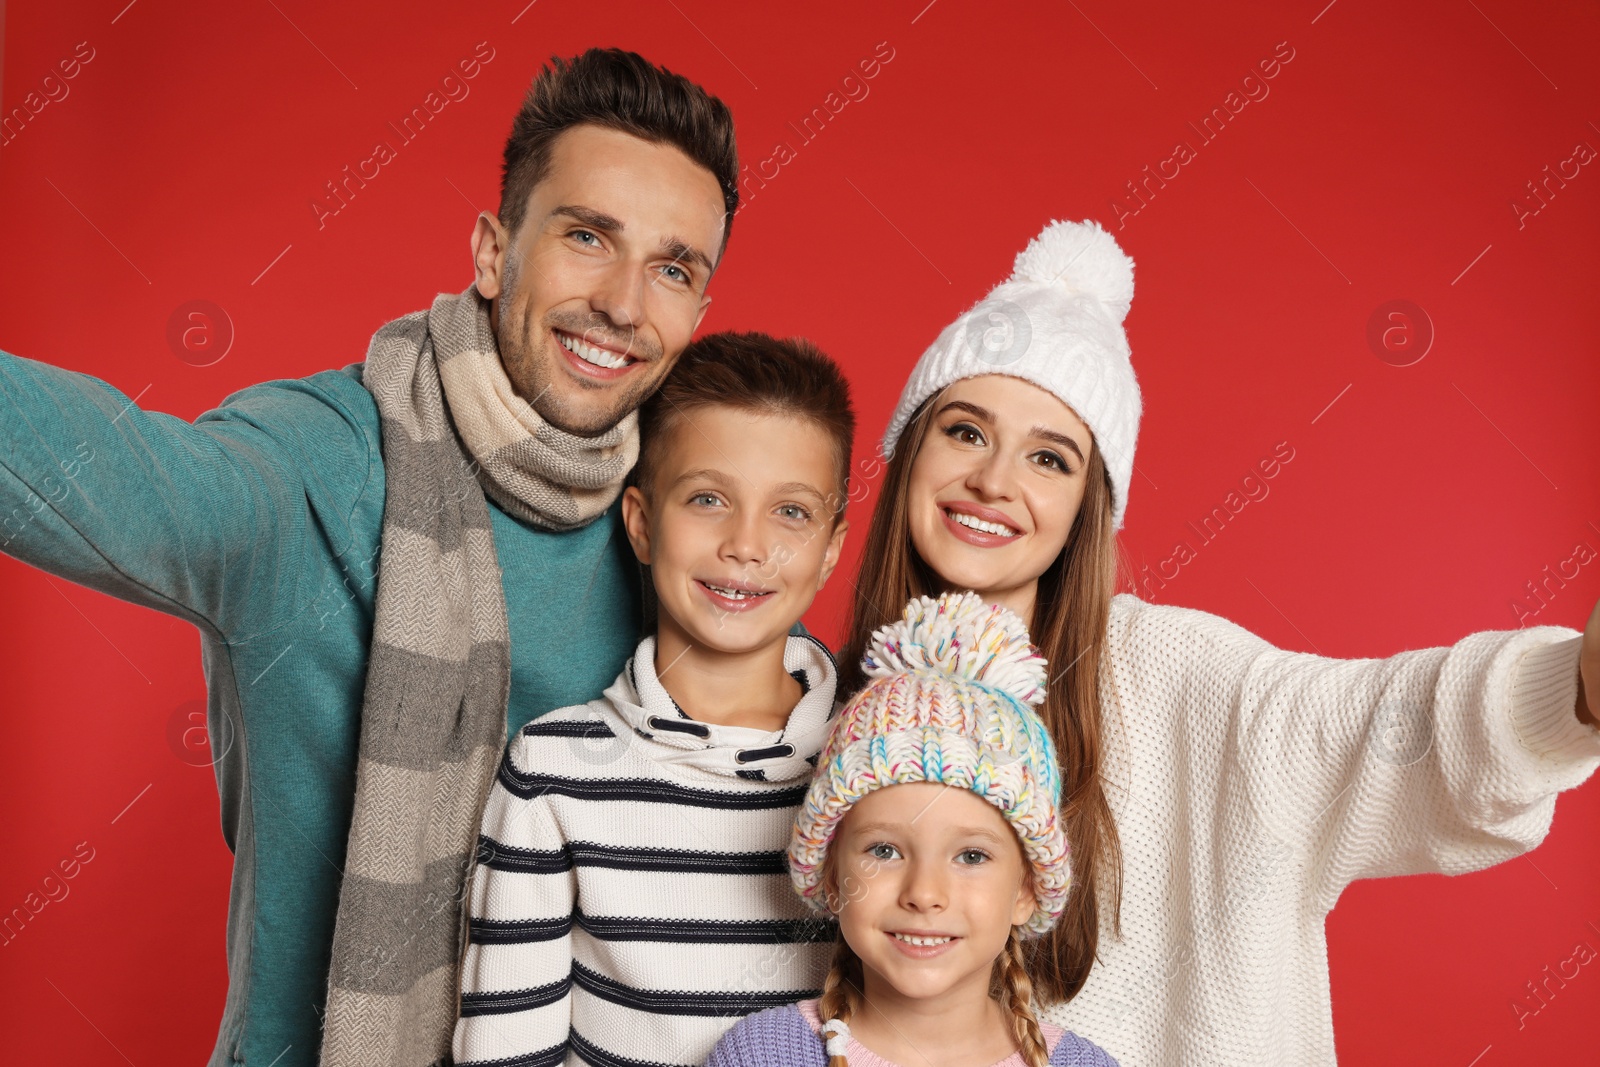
[[632, 899]]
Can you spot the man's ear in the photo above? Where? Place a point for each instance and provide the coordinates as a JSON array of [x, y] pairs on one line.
[[490, 244], [705, 302], [830, 558], [636, 520]]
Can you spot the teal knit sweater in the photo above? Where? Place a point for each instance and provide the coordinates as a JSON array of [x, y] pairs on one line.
[[260, 524]]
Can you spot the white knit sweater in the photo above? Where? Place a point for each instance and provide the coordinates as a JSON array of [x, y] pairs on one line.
[[632, 897], [1250, 785]]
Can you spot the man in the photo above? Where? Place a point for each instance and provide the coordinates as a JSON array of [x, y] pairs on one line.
[[483, 445]]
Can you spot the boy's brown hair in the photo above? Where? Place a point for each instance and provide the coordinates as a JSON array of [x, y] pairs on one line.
[[758, 373]]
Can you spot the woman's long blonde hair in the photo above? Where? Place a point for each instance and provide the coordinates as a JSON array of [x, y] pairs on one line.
[[1070, 613]]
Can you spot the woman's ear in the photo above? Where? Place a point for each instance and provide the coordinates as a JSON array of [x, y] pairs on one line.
[[636, 520]]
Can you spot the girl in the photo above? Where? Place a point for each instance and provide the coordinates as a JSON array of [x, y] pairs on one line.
[[1220, 793], [931, 831]]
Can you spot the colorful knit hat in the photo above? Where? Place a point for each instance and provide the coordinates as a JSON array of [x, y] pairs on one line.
[[947, 700]]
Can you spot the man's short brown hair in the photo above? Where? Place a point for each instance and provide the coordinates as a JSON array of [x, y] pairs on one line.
[[623, 91]]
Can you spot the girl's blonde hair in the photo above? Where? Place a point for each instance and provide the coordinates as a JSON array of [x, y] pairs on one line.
[[1071, 610]]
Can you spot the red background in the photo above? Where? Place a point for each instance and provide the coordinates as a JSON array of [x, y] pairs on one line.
[[1383, 165]]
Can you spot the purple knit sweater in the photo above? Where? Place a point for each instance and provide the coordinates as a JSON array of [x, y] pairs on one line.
[[781, 1037]]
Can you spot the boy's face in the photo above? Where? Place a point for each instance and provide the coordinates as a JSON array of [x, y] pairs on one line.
[[928, 880], [738, 526]]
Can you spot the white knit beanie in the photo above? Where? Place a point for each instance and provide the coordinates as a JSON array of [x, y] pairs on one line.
[[1056, 322]]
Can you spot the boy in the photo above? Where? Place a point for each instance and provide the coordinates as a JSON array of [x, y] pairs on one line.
[[632, 899]]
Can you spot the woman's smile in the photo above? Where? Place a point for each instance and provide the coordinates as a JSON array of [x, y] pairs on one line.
[[978, 525]]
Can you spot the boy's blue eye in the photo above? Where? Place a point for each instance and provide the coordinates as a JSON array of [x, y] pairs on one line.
[[709, 499], [794, 511]]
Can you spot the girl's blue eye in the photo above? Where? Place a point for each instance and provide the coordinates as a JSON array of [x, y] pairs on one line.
[[883, 851], [967, 856], [795, 511]]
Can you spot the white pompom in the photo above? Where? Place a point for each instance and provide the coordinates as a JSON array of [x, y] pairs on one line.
[[1082, 257], [958, 634]]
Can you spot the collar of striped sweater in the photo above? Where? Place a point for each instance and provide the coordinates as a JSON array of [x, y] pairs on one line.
[[669, 736]]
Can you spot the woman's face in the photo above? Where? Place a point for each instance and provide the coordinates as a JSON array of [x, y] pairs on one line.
[[996, 486]]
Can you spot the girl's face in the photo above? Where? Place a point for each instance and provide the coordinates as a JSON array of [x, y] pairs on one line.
[[996, 486], [928, 880]]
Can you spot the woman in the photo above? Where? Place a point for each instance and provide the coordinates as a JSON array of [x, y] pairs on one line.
[[1221, 792]]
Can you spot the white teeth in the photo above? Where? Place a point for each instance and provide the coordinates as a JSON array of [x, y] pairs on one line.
[[731, 594], [590, 354], [913, 939], [980, 525]]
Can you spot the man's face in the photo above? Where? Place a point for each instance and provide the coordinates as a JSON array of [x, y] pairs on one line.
[[601, 288]]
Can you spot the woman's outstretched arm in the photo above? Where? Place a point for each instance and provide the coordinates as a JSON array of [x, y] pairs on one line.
[[1441, 760]]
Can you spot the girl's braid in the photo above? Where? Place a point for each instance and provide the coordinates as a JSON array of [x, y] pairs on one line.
[[841, 992], [1015, 994]]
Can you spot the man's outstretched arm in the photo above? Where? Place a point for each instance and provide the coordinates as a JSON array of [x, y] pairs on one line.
[[191, 519]]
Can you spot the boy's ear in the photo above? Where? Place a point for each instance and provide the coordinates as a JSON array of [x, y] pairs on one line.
[[830, 558], [636, 520]]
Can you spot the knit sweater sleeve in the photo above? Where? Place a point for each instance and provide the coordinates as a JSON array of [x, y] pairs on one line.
[[1434, 760], [776, 1037], [516, 976], [1075, 1051], [208, 521]]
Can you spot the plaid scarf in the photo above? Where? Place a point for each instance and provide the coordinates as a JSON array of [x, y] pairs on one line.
[[433, 716]]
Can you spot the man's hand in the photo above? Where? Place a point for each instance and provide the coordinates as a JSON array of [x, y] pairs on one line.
[[1589, 671]]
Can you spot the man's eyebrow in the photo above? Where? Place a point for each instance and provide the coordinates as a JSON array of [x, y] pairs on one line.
[[589, 217], [680, 250], [1044, 432], [684, 252]]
